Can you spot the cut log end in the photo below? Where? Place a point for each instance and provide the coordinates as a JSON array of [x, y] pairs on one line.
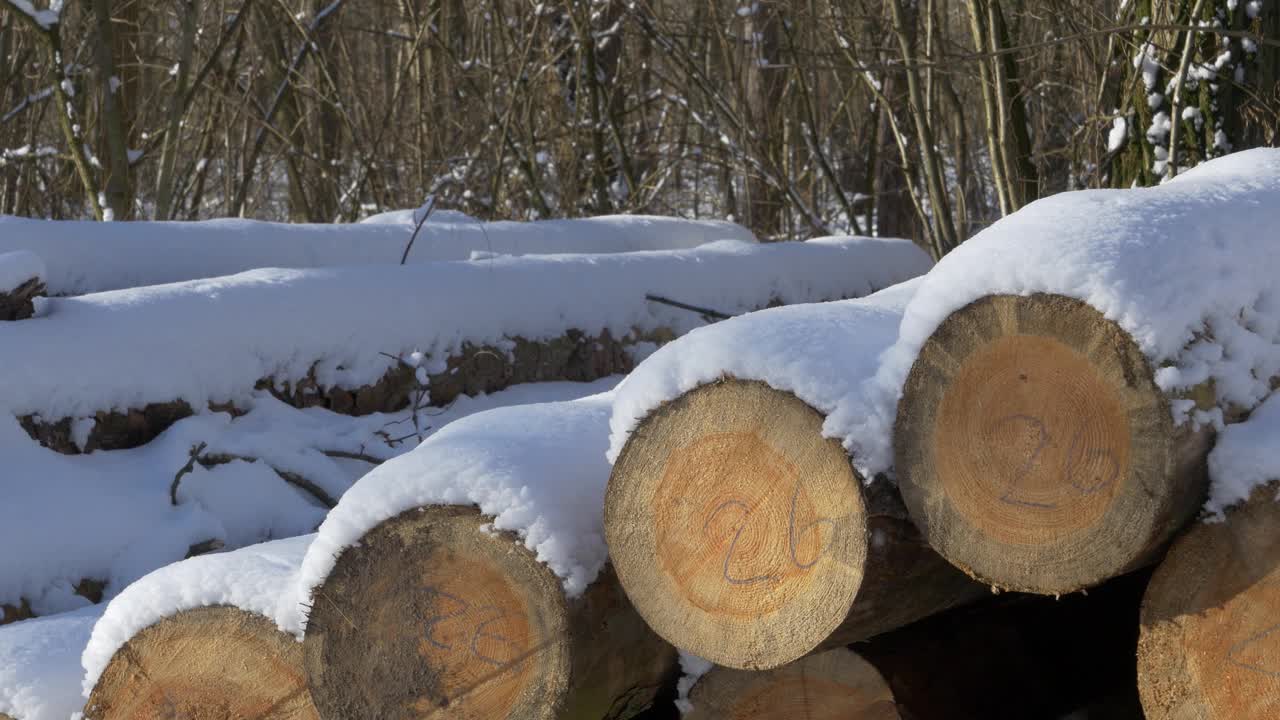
[[833, 685], [1035, 450], [208, 664], [1210, 642], [738, 531], [435, 615]]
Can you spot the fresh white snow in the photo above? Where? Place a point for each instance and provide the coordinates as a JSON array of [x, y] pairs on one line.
[[108, 516], [1246, 455], [85, 257], [692, 668], [211, 340], [40, 671], [259, 579], [822, 353], [1187, 268], [538, 470], [18, 267]]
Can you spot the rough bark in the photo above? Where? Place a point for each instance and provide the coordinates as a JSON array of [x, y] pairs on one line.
[[744, 536], [216, 663], [1210, 643], [1035, 451], [476, 370], [432, 615], [19, 304], [834, 685]]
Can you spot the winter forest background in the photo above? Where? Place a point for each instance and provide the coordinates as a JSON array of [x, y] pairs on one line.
[[925, 119]]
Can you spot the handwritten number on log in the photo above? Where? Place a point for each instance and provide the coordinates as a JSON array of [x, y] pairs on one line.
[[1074, 455], [1241, 646], [435, 620], [1077, 457], [728, 556], [1025, 471], [791, 533], [481, 631], [794, 534]]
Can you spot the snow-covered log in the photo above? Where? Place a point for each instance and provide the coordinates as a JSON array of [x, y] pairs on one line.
[[1060, 375], [1210, 644], [833, 685], [86, 257], [366, 339], [22, 276], [468, 579], [737, 521], [212, 637]]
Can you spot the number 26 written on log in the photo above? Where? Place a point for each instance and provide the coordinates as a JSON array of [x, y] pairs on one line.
[[1076, 454], [794, 535], [490, 613]]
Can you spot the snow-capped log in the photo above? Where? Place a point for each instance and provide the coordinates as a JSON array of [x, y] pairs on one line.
[[1210, 643], [22, 276], [837, 683], [86, 257], [359, 340], [1060, 375], [736, 519], [211, 637], [220, 663], [468, 579]]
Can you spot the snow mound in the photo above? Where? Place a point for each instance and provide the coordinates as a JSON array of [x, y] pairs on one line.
[[40, 669], [108, 516], [1246, 456], [86, 257], [212, 340], [259, 579], [18, 267], [407, 217], [822, 353], [538, 470], [1187, 268]]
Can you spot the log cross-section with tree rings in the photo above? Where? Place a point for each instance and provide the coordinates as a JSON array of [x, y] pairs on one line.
[[1035, 450], [744, 536], [216, 663], [1210, 643], [435, 614], [833, 685]]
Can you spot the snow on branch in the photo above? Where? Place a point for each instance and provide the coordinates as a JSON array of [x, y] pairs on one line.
[[44, 19]]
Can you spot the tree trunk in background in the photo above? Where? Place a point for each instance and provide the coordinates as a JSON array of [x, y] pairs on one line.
[[326, 191], [1226, 101], [115, 121], [765, 80]]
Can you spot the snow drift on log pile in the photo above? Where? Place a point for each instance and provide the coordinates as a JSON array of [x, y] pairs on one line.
[[85, 257], [110, 516], [1187, 268], [212, 340], [17, 268], [40, 669], [538, 470], [260, 579], [821, 353], [1246, 456]]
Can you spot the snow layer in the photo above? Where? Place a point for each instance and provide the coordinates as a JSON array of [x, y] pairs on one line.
[[822, 353], [538, 470], [108, 516], [1246, 455], [212, 340], [259, 579], [40, 669], [18, 267], [1188, 268], [86, 257], [692, 668]]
